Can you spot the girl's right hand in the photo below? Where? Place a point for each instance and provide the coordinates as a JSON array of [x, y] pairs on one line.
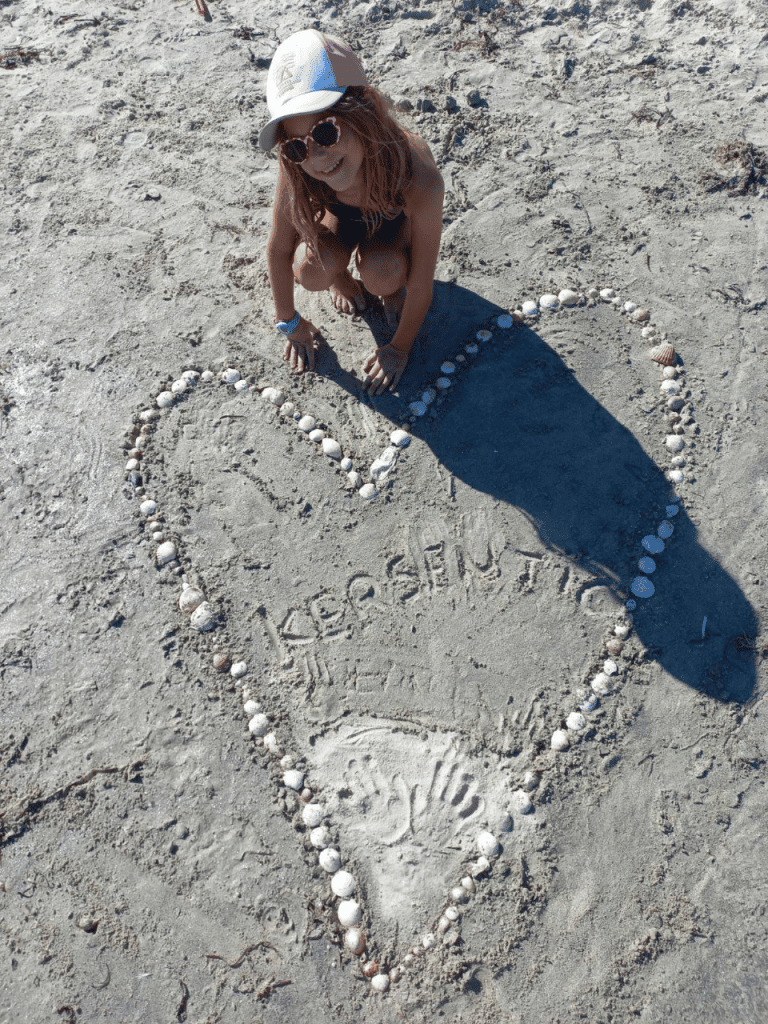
[[301, 347]]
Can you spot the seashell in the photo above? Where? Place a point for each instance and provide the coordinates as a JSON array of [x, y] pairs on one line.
[[294, 779], [202, 617], [230, 376], [179, 386], [355, 479], [646, 565], [251, 708], [653, 545], [443, 925], [610, 667], [672, 510], [531, 781], [331, 448], [641, 586], [354, 940], [451, 912], [631, 605], [418, 408], [149, 415], [428, 940], [297, 416], [349, 913], [400, 438], [273, 746], [320, 838], [395, 974], [601, 684], [189, 599], [460, 357], [442, 383], [220, 661], [549, 302], [330, 860], [481, 865], [674, 442], [273, 395], [285, 762], [238, 670], [488, 845], [576, 722], [307, 423], [370, 968], [641, 315], [207, 376], [614, 646], [484, 335], [521, 802], [166, 553], [459, 894], [139, 442], [259, 725], [560, 740], [165, 399], [447, 367], [343, 884], [593, 293], [530, 308], [504, 321], [621, 629], [287, 409], [313, 815], [429, 396], [648, 332], [158, 537], [629, 307], [380, 467], [567, 297], [192, 376], [676, 476], [148, 507], [670, 387], [316, 435], [132, 464], [675, 403], [346, 464], [669, 372], [472, 349], [590, 703], [663, 353], [367, 492], [665, 529], [607, 294]]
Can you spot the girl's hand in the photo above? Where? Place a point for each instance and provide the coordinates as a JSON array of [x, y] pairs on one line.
[[384, 368], [301, 347]]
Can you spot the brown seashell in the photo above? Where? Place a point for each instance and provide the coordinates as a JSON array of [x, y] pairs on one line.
[[221, 662], [663, 353], [640, 315], [614, 646], [369, 968]]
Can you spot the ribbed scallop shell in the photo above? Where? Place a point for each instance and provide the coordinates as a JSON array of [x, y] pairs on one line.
[[663, 353]]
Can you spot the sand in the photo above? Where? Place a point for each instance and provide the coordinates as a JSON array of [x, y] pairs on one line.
[[414, 653]]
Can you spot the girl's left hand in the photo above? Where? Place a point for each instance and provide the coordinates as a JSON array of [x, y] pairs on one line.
[[383, 369]]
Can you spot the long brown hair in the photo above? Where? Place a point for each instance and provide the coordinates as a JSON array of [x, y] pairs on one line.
[[387, 166]]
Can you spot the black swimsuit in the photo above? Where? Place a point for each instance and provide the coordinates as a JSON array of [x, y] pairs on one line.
[[353, 224]]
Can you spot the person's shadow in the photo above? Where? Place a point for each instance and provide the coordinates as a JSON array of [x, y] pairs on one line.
[[521, 428]]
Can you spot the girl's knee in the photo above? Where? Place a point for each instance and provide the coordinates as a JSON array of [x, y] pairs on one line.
[[316, 271], [383, 272]]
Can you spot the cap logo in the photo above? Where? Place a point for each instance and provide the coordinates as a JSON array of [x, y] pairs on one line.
[[284, 74]]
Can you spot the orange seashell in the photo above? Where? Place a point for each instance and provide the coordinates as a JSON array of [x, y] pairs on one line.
[[663, 353], [369, 968]]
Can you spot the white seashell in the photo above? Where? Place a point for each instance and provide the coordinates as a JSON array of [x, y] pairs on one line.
[[484, 335], [259, 725], [505, 321], [149, 415], [316, 435], [202, 617], [428, 396], [294, 779], [653, 545], [138, 444], [549, 302], [676, 476], [472, 349], [451, 912], [616, 301], [664, 354], [670, 387], [576, 722], [443, 383], [230, 376], [367, 492], [610, 667], [459, 894], [179, 386], [593, 293], [349, 913], [207, 376], [307, 423], [428, 940], [355, 479], [641, 586], [380, 467], [601, 684], [674, 442], [354, 940], [447, 367], [312, 815], [330, 860], [190, 599], [567, 297], [629, 307], [621, 629], [273, 746], [166, 553], [238, 670], [672, 510], [646, 565], [148, 507], [400, 438], [531, 781], [251, 708], [287, 409], [641, 315], [380, 983], [343, 884], [165, 399], [331, 448], [488, 845], [560, 740], [192, 376], [241, 385], [320, 839], [418, 408], [589, 703], [521, 802], [276, 396], [669, 372], [443, 925], [481, 865], [530, 308], [666, 529], [132, 464], [285, 762], [346, 464], [607, 294], [158, 537], [675, 403], [648, 332]]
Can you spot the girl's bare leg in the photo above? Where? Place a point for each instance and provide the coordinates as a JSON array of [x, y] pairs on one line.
[[384, 268], [327, 269]]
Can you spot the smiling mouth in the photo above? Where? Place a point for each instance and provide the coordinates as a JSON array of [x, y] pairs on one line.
[[333, 169]]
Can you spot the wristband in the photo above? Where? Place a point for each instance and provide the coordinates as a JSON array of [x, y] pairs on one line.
[[288, 326]]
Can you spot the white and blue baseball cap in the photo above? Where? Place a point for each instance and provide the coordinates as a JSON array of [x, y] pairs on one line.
[[309, 72]]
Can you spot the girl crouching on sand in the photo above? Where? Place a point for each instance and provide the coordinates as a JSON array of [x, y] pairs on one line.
[[350, 179]]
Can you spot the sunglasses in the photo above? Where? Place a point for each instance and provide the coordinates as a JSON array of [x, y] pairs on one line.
[[326, 133]]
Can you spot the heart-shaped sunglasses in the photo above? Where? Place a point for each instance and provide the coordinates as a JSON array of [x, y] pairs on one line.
[[326, 133]]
